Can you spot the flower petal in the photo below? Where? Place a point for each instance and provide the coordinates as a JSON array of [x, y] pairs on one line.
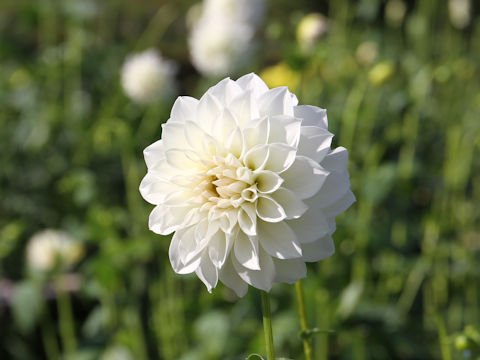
[[228, 276], [335, 186], [256, 157], [246, 251], [154, 153], [279, 240], [165, 220], [305, 177], [277, 101], [225, 123], [247, 219], [208, 110], [254, 83], [311, 115], [318, 250], [314, 142], [311, 226], [225, 91], [280, 157], [184, 109], [180, 241], [269, 210], [173, 135], [245, 108], [341, 205], [156, 190], [336, 160], [256, 132], [289, 271], [207, 272], [267, 181], [293, 206], [285, 130], [260, 279], [219, 248], [234, 142]]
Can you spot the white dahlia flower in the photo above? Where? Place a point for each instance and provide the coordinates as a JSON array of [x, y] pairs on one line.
[[48, 248], [148, 77], [246, 180]]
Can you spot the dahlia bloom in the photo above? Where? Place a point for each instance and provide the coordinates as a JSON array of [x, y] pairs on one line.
[[49, 247], [148, 77], [246, 180]]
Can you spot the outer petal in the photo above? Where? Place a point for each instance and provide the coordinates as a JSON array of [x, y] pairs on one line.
[[318, 250], [269, 210], [335, 186], [228, 275], [165, 220], [277, 101], [219, 248], [256, 132], [280, 158], [246, 251], [225, 91], [285, 130], [341, 205], [311, 115], [154, 153], [260, 279], [310, 226], [184, 109], [173, 135], [314, 142], [207, 272], [336, 160], [279, 240], [305, 177], [208, 110], [181, 242], [293, 206], [289, 271], [254, 83]]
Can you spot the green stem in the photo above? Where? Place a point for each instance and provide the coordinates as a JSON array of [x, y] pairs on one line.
[[66, 323], [267, 325], [307, 341]]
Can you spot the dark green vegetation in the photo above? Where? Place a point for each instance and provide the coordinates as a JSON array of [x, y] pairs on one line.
[[405, 280]]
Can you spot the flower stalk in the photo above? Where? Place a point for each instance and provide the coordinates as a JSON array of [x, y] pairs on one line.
[[307, 340], [267, 325]]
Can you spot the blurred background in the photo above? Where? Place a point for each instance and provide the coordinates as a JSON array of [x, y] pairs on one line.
[[84, 87]]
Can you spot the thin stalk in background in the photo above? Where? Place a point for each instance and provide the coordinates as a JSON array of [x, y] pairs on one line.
[[267, 325], [65, 318], [307, 341]]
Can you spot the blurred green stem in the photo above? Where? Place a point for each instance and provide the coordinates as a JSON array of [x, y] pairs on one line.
[[65, 319], [307, 341], [267, 325], [48, 337]]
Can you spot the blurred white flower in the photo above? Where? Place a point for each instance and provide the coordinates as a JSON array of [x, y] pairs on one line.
[[310, 29], [148, 77], [221, 38], [248, 182], [117, 352], [48, 248], [459, 13]]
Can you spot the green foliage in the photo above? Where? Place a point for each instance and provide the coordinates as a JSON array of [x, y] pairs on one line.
[[404, 282]]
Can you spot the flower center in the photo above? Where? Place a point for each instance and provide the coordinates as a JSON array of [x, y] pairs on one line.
[[227, 183]]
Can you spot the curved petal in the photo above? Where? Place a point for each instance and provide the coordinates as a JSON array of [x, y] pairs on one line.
[[289, 271], [267, 181], [207, 272], [279, 240], [247, 219], [305, 177], [208, 110], [260, 279], [219, 248], [246, 251], [293, 206], [184, 109], [234, 142], [228, 275], [173, 136], [225, 91], [277, 101], [341, 205], [165, 220], [269, 210], [225, 123], [254, 83], [311, 115], [154, 153], [280, 157], [311, 226], [285, 130], [335, 186], [318, 250], [336, 160], [314, 142], [256, 157], [180, 243], [256, 132], [245, 108]]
